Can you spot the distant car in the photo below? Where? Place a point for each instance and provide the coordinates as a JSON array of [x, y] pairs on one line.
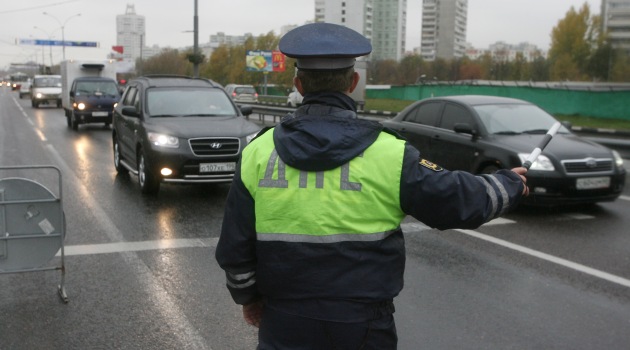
[[46, 89], [92, 100], [25, 89], [242, 93], [481, 134], [179, 130], [294, 99]]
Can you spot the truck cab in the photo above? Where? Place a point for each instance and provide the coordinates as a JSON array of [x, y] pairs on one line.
[[89, 91], [92, 100]]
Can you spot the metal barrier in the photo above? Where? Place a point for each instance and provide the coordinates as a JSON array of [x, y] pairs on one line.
[[33, 224]]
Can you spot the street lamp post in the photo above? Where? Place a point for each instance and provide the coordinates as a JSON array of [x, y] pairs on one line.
[[50, 36], [62, 25]]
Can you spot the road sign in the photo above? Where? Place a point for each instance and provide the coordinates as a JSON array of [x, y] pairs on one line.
[[43, 42]]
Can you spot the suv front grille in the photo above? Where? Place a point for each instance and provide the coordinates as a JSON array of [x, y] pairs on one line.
[[588, 165], [219, 146]]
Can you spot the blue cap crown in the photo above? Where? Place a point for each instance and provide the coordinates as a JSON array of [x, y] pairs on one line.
[[324, 46]]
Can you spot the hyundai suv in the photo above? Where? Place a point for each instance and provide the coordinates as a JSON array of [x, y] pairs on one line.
[[177, 129]]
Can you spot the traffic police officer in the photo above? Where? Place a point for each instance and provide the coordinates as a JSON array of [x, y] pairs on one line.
[[311, 240]]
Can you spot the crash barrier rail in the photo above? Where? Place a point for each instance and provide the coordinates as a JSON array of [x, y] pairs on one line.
[[32, 222]]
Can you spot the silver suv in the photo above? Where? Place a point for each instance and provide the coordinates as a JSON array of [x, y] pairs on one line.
[[242, 93]]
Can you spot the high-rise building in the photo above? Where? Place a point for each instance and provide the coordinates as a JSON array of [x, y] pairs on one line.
[[383, 22], [615, 16], [389, 29], [130, 33], [443, 33]]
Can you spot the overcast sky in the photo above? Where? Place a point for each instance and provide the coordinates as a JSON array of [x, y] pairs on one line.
[[167, 22]]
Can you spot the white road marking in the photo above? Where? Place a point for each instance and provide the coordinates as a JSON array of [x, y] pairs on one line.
[[554, 259], [625, 198], [118, 247]]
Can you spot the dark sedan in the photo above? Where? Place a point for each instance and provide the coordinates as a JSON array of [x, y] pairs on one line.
[[481, 134]]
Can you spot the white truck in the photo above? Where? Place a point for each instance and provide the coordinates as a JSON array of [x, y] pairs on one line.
[[88, 91]]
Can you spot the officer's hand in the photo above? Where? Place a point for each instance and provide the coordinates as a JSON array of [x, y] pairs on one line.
[[253, 313], [521, 171]]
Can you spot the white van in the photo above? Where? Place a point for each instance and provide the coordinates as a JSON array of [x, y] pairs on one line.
[[46, 89]]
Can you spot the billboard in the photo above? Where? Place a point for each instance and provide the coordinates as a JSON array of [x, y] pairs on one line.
[[264, 61]]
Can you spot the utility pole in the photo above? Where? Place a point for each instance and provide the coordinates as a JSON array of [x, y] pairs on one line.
[[196, 44]]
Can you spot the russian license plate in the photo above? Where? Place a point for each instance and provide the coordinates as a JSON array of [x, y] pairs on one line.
[[216, 167], [100, 114], [589, 183]]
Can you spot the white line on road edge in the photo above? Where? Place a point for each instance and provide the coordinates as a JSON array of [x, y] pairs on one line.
[[575, 266], [625, 198]]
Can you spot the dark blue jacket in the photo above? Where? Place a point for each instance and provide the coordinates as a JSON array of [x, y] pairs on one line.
[[347, 281]]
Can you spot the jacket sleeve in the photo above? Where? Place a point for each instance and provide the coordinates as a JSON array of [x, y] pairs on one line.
[[236, 249], [445, 199]]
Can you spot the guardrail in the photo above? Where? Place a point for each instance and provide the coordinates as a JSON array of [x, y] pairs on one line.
[[277, 110]]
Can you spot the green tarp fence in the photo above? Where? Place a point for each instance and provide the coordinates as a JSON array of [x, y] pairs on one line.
[[598, 104]]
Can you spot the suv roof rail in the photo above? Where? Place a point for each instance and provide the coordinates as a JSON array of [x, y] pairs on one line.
[[177, 76], [166, 76]]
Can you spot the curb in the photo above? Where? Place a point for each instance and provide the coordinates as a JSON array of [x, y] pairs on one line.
[[611, 132]]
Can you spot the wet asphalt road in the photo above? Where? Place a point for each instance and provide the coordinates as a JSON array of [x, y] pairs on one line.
[[140, 271]]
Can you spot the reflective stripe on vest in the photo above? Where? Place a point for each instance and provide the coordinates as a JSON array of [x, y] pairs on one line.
[[357, 201]]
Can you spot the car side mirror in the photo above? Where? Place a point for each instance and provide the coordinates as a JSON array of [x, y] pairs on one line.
[[130, 111], [71, 93], [246, 109], [464, 128]]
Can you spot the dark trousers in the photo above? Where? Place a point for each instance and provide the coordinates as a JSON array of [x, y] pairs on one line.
[[281, 331]]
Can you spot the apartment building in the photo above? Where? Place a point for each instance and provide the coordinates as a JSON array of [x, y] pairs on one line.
[[130, 33], [616, 22], [381, 21], [443, 33], [501, 51]]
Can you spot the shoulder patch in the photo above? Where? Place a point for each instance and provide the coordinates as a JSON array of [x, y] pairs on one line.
[[429, 165]]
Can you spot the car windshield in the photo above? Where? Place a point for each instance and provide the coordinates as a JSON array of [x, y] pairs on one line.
[[511, 119], [47, 82], [197, 102], [96, 88]]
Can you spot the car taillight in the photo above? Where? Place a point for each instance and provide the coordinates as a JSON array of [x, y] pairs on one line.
[[234, 94], [256, 94]]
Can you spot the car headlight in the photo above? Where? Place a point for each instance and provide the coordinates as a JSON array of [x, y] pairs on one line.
[[618, 159], [81, 106], [163, 140], [249, 138], [542, 163]]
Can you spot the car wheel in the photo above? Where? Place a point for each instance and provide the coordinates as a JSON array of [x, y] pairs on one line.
[[34, 104], [21, 96], [148, 182], [489, 169], [117, 158], [74, 124]]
